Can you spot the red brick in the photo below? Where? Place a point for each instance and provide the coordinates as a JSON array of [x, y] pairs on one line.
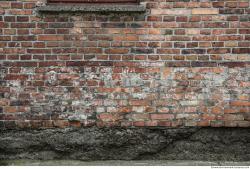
[[241, 50], [10, 109], [29, 5], [218, 4], [164, 123], [16, 77], [139, 102], [126, 38], [50, 38], [154, 18], [75, 124], [17, 5], [165, 25], [203, 123], [23, 25], [117, 51], [151, 123], [106, 117], [139, 123], [208, 117], [243, 4], [22, 19], [239, 103], [168, 51], [161, 116], [35, 51]]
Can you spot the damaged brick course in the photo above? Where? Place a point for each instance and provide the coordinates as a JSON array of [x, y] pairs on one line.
[[180, 63]]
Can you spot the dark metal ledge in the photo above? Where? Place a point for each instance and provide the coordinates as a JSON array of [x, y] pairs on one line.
[[92, 8]]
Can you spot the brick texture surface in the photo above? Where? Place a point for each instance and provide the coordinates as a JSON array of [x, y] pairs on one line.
[[181, 63]]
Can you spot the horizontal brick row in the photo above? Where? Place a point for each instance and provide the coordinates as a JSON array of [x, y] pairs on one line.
[[126, 64]]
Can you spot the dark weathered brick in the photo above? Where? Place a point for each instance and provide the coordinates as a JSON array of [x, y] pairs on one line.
[[193, 51], [241, 50], [142, 50]]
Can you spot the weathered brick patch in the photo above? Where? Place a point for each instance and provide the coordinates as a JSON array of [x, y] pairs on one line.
[[181, 63], [120, 95]]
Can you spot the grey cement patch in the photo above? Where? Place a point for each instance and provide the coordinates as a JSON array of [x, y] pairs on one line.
[[97, 144]]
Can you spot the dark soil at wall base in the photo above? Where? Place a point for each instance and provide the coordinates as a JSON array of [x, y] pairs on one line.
[[229, 144]]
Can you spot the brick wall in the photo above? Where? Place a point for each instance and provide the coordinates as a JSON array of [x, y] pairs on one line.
[[181, 63]]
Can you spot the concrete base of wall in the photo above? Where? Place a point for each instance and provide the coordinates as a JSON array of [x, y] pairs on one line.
[[25, 162], [209, 144]]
